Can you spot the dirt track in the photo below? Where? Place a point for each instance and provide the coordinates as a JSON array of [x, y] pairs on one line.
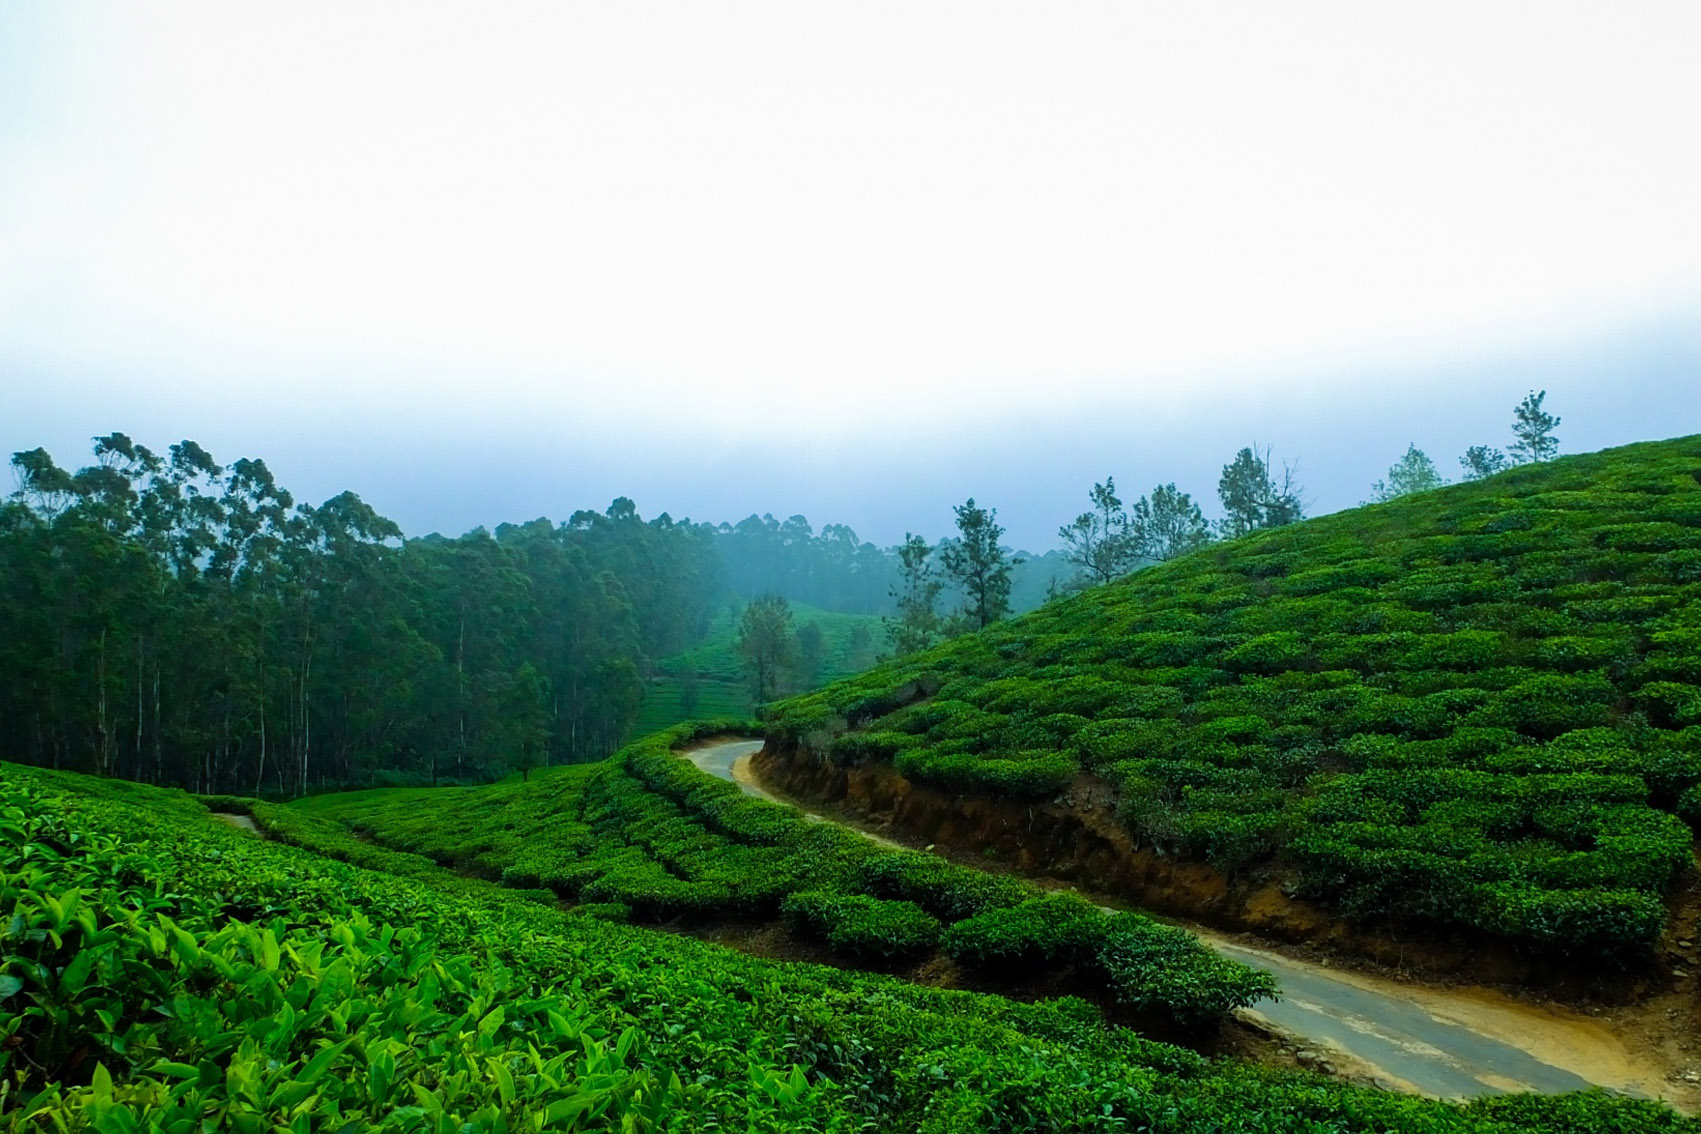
[[1449, 1043]]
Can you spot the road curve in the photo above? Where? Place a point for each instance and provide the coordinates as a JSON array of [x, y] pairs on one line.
[[1428, 1041]]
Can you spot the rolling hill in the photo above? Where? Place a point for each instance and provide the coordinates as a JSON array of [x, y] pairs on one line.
[[1474, 711]]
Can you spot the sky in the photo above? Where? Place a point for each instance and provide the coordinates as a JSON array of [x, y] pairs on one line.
[[857, 261]]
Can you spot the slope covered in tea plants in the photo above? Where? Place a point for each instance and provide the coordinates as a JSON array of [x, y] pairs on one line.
[[648, 837], [162, 971], [1478, 708]]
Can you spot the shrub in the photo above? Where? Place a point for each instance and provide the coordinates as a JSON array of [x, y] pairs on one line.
[[1026, 777], [855, 925], [948, 892], [1051, 930]]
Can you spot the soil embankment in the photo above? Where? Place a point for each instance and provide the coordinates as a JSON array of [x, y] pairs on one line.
[[1077, 838], [1448, 1042]]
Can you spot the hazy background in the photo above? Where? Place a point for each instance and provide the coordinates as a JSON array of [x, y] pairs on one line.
[[854, 261]]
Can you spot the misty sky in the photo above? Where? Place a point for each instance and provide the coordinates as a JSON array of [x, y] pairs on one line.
[[488, 262]]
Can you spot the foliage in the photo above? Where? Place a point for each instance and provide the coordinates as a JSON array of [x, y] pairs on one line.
[[1414, 472], [1166, 524], [1475, 708], [766, 645], [171, 619], [1253, 499], [856, 925], [978, 563], [1532, 430], [652, 835], [1481, 461], [1101, 541], [916, 625], [305, 993]]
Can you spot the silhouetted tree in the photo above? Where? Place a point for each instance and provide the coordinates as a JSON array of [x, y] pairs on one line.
[[977, 563]]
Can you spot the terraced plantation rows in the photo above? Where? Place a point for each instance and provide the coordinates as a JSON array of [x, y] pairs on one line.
[[649, 838], [1476, 708], [163, 971]]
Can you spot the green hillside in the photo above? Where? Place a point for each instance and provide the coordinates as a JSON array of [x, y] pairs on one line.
[[647, 836], [1478, 707], [720, 686], [160, 970]]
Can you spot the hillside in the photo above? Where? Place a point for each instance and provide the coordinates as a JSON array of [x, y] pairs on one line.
[[1476, 710], [708, 680], [163, 970]]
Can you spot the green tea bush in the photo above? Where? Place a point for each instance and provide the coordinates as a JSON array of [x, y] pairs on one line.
[[855, 925], [950, 893], [1542, 623]]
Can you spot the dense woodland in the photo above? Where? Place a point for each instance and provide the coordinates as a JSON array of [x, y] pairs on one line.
[[172, 620]]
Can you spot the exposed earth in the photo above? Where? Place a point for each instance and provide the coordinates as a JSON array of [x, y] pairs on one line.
[[1447, 1042]]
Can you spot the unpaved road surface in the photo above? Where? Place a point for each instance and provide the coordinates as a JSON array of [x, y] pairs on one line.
[[1445, 1043], [244, 822]]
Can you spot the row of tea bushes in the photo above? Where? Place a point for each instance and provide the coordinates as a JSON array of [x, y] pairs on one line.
[[160, 971], [1401, 706]]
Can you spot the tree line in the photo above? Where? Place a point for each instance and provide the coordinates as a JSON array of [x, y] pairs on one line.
[[1113, 539], [170, 619], [174, 620]]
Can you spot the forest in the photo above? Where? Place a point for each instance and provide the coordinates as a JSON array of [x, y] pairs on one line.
[[173, 620]]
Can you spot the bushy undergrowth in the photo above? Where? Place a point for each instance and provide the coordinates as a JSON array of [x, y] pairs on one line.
[[650, 836], [1478, 706], [160, 971]]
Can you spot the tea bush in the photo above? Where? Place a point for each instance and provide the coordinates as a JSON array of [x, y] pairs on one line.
[[161, 971], [1479, 707], [650, 837], [855, 925]]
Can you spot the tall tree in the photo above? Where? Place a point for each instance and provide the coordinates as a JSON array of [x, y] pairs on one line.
[[1483, 460], [1532, 430], [1166, 524], [173, 619], [1253, 498], [766, 644], [978, 563], [1414, 472], [1099, 541], [916, 625], [810, 652]]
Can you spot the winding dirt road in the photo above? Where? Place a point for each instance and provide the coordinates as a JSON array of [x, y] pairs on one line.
[[1444, 1043]]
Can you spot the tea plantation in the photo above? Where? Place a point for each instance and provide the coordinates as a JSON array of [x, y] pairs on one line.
[[648, 837], [161, 971], [1475, 708]]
